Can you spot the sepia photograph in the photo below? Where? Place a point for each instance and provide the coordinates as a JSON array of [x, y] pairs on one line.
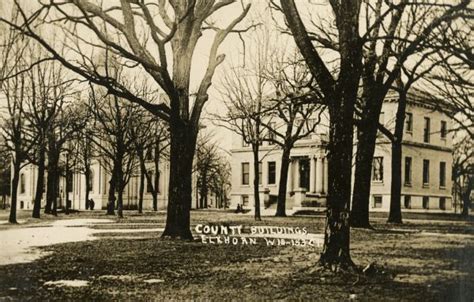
[[236, 150]]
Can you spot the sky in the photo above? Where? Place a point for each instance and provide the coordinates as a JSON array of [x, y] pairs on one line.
[[232, 47]]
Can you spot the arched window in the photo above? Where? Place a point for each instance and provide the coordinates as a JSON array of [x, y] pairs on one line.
[[22, 183]]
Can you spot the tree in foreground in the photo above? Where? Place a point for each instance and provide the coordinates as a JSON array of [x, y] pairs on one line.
[[339, 93], [410, 36], [145, 35]]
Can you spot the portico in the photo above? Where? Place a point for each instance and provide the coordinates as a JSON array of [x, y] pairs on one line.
[[308, 173]]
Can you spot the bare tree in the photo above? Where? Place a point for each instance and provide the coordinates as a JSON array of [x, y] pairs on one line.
[[49, 88], [463, 172], [339, 93], [18, 140], [245, 91], [144, 129], [294, 112], [158, 151], [114, 141], [177, 27], [79, 150], [210, 168]]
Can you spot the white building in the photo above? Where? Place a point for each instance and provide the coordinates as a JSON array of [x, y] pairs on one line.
[[426, 165], [99, 186]]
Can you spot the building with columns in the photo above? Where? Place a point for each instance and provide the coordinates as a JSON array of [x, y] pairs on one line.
[[98, 188], [426, 165]]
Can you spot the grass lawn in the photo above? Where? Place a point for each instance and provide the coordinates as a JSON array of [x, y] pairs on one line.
[[426, 258]]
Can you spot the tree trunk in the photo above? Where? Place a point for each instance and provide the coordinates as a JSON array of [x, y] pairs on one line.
[[183, 145], [55, 194], [363, 167], [87, 177], [157, 176], [52, 182], [256, 181], [52, 178], [395, 215], [466, 197], [285, 164], [120, 199], [154, 189], [111, 198], [336, 249], [141, 191], [340, 95], [39, 182], [13, 204]]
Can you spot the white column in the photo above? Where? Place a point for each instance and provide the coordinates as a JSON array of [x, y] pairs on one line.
[[319, 175], [297, 174], [326, 178], [312, 174], [289, 183]]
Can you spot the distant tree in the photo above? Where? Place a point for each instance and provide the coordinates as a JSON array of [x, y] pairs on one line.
[[114, 142], [210, 168], [244, 92], [158, 151], [293, 112], [463, 172], [49, 88], [144, 129], [14, 86], [80, 150], [5, 173], [18, 140]]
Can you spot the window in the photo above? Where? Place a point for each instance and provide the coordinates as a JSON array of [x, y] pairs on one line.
[[244, 143], [22, 183], [407, 170], [271, 172], [377, 169], [444, 129], [409, 122], [377, 201], [426, 202], [407, 202], [260, 173], [442, 203], [426, 172], [245, 200], [442, 174], [245, 173], [426, 130]]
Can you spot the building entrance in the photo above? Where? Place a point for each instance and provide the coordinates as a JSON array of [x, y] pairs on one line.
[[304, 173]]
